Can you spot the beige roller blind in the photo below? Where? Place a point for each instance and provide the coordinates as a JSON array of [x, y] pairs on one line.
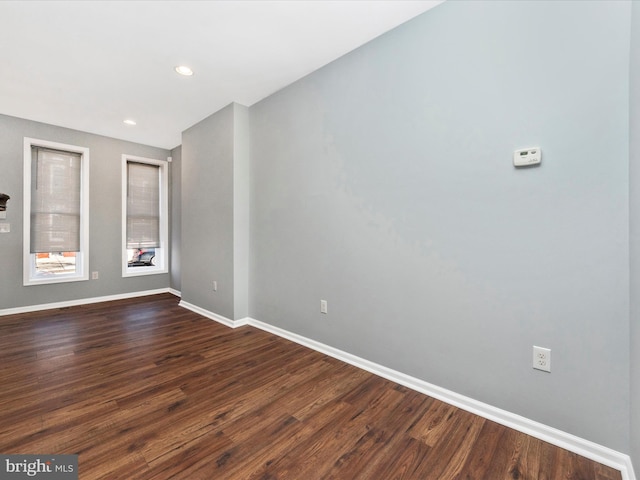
[[55, 200], [143, 205]]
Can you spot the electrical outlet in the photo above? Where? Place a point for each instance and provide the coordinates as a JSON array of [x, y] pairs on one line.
[[95, 275], [542, 358], [215, 286], [323, 306]]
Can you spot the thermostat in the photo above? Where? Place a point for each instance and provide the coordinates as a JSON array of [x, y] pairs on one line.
[[527, 156]]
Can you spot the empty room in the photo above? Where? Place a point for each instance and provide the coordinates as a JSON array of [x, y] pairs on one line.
[[320, 239]]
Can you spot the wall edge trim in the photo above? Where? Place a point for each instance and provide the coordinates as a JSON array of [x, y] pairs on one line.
[[214, 316], [80, 301]]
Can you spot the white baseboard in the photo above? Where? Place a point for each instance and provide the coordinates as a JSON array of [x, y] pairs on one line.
[[175, 292], [580, 446], [81, 301], [213, 316]]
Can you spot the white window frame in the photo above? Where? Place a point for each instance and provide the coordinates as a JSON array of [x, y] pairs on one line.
[[162, 260], [30, 275]]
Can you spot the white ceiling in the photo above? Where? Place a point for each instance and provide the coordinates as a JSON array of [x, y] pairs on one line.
[[89, 65]]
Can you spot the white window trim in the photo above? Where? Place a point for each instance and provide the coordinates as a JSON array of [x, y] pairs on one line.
[[162, 265], [30, 277]]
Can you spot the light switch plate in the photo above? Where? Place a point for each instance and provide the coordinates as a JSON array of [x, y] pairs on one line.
[[5, 227]]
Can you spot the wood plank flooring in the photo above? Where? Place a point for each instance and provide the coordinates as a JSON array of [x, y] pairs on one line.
[[144, 389]]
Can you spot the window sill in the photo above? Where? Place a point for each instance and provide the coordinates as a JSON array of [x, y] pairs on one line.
[[143, 271], [46, 280]]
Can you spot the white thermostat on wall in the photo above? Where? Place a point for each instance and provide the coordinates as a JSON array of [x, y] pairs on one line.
[[527, 156]]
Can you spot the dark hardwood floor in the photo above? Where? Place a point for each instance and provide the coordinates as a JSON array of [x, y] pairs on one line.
[[144, 389]]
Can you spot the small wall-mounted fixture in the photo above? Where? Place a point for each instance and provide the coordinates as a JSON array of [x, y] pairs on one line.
[[527, 157], [3, 205]]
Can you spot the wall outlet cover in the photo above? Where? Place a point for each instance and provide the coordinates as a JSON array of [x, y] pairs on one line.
[[542, 359]]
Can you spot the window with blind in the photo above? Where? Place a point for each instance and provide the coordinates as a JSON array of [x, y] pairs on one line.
[[56, 212], [144, 216]]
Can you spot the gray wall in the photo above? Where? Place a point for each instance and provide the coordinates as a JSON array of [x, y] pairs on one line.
[[214, 215], [105, 216], [176, 218], [634, 223], [383, 183]]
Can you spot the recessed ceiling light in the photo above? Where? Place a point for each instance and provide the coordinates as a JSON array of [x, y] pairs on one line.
[[184, 70], [130, 122]]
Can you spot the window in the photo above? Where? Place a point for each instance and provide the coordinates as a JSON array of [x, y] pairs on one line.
[[144, 216], [56, 212]]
